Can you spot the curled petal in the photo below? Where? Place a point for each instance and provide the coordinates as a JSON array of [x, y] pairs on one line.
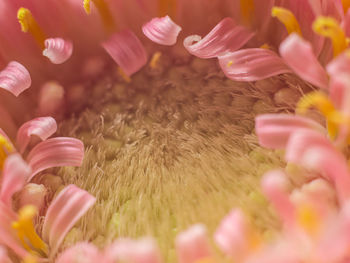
[[274, 185], [64, 211], [298, 54], [15, 174], [252, 64], [43, 127], [58, 50], [80, 253], [127, 51], [56, 152], [226, 36], [162, 30], [192, 245], [137, 251], [274, 130], [232, 236], [15, 78]]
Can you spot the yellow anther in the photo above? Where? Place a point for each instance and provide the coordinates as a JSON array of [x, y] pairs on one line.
[[329, 27], [254, 240], [103, 10], [154, 63], [30, 259], [308, 219], [167, 7], [265, 46], [26, 231], [346, 5], [287, 18], [247, 10], [125, 77], [318, 100], [29, 24], [5, 149], [230, 63]]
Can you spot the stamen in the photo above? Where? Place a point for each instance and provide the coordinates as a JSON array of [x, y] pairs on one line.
[[29, 24], [329, 27], [346, 5], [167, 7], [230, 63], [308, 219], [265, 46], [125, 77], [26, 231], [5, 149], [103, 10], [247, 10], [154, 63], [287, 18]]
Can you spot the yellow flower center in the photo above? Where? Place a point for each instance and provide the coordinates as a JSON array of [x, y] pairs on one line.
[[287, 18], [5, 149], [29, 24], [26, 231], [329, 27], [103, 10]]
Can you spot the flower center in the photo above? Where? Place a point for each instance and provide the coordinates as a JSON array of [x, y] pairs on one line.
[[173, 147]]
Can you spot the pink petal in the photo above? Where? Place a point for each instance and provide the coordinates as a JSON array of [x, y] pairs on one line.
[[226, 36], [64, 211], [274, 130], [298, 54], [3, 256], [274, 186], [252, 64], [8, 237], [127, 51], [15, 174], [339, 92], [58, 50], [162, 30], [56, 152], [192, 245], [82, 252], [339, 65], [51, 99], [136, 251], [231, 236], [15, 78], [42, 127]]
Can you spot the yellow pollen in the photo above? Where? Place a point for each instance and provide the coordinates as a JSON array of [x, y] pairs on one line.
[[103, 10], [29, 24], [154, 63], [265, 46], [329, 27], [167, 7], [308, 219], [287, 18], [26, 231], [5, 149], [125, 77], [230, 63], [346, 5], [247, 10]]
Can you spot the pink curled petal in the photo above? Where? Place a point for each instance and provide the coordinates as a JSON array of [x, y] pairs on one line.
[[226, 36], [82, 252], [43, 127], [55, 152], [192, 245], [252, 64], [143, 250], [274, 185], [127, 51], [15, 174], [58, 50], [274, 130], [332, 164], [340, 64], [162, 30], [4, 258], [298, 55], [231, 236], [64, 211], [8, 237], [15, 78]]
